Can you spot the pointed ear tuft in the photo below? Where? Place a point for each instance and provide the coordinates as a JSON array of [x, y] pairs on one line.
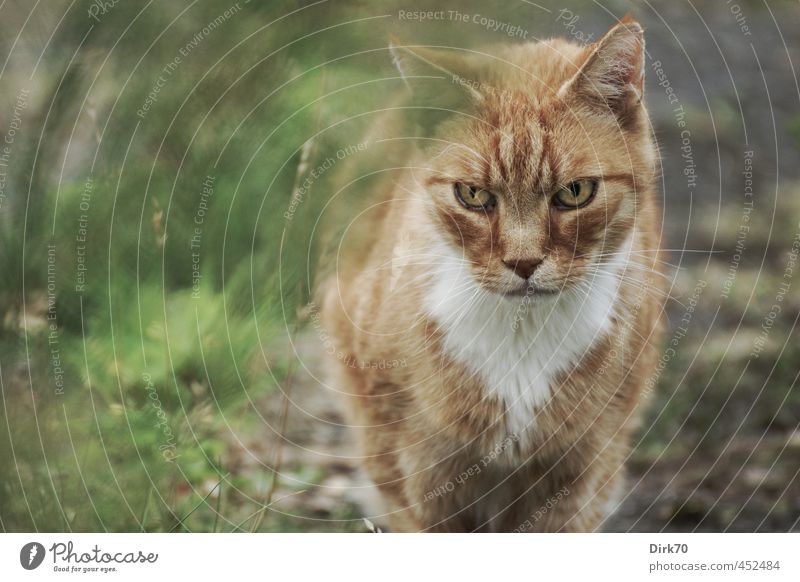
[[441, 81], [398, 59], [451, 66], [612, 77]]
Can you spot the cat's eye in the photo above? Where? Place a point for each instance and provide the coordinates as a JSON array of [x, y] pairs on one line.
[[474, 198], [576, 194]]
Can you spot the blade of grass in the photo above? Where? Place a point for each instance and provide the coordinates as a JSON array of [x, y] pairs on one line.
[[262, 508], [203, 500], [306, 155], [143, 519], [276, 468], [217, 509]]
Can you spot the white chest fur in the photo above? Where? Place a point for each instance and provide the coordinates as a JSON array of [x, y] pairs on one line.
[[517, 346]]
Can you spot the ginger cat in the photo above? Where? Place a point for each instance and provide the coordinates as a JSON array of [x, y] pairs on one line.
[[515, 274]]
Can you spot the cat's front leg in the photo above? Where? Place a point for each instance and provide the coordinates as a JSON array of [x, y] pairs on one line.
[[580, 505]]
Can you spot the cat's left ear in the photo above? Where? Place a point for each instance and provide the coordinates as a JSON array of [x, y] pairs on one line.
[[419, 65], [612, 77], [441, 82]]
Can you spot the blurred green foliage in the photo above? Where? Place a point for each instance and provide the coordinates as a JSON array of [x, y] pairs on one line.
[[151, 357]]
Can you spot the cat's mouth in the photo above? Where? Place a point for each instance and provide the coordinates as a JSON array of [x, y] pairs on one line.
[[531, 290]]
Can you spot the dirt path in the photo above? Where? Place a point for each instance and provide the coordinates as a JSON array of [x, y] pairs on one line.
[[322, 487]]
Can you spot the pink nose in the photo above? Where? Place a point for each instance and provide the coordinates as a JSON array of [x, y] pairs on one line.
[[523, 267]]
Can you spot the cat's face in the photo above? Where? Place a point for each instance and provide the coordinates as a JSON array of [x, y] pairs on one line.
[[537, 188]]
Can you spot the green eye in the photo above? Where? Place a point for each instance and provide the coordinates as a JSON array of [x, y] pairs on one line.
[[474, 198], [577, 194]]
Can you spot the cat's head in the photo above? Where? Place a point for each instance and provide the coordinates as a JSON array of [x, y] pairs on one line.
[[539, 158]]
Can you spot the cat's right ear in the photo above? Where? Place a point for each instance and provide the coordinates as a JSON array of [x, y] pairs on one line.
[[441, 82], [612, 77]]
